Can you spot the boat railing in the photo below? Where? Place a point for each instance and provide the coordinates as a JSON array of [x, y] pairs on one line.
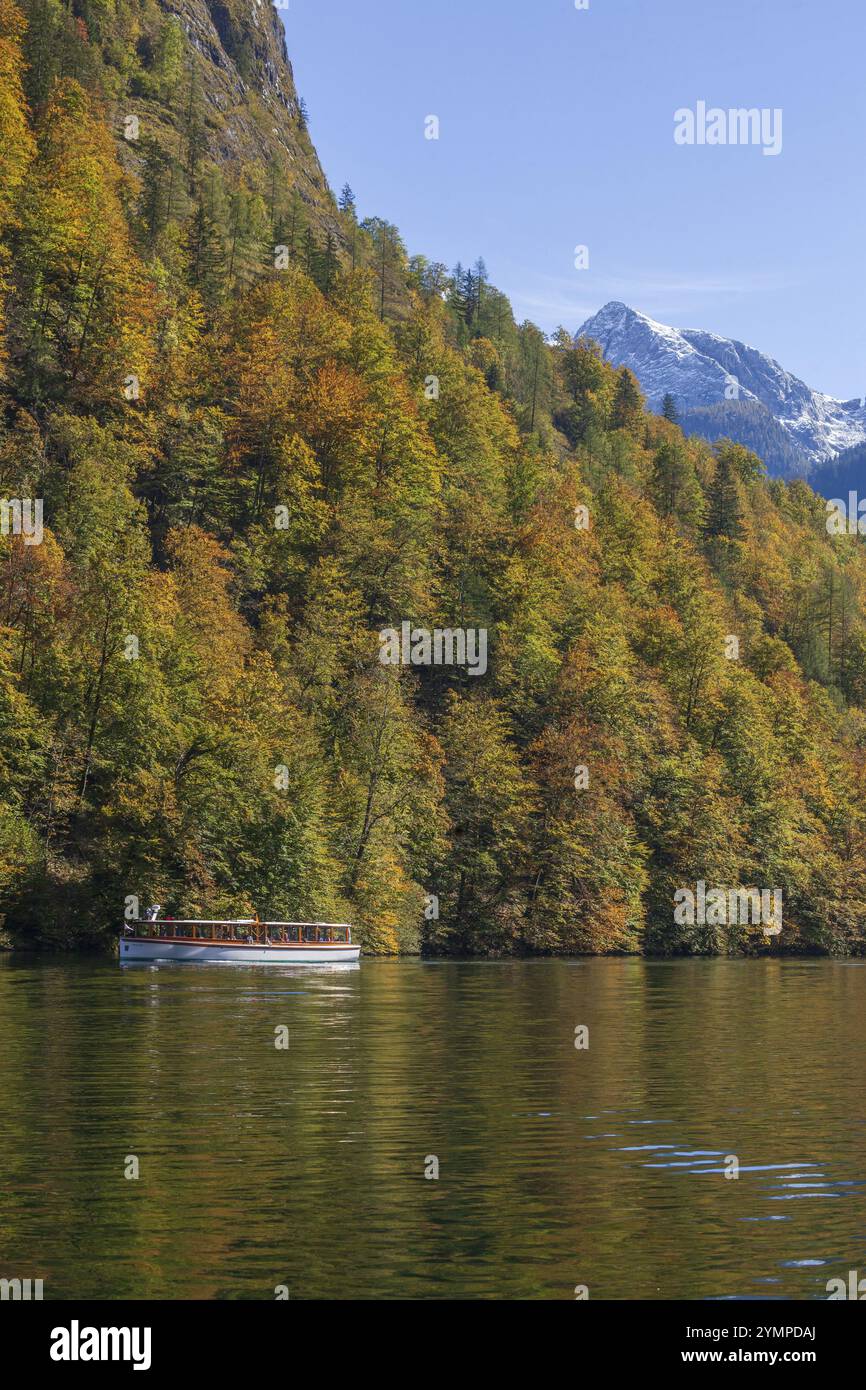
[[261, 933]]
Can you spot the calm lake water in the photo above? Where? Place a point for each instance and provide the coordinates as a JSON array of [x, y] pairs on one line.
[[558, 1167]]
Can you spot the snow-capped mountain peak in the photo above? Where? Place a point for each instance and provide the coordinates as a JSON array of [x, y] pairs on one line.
[[722, 386]]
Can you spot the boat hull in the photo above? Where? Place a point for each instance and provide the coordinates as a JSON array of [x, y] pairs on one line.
[[239, 952]]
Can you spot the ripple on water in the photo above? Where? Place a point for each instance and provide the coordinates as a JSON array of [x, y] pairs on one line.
[[306, 1167]]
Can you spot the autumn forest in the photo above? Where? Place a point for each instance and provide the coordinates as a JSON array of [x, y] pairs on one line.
[[262, 432]]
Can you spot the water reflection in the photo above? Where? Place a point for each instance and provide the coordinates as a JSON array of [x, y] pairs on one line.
[[305, 1166]]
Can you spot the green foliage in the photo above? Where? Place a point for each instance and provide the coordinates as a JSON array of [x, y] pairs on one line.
[[752, 423], [327, 438]]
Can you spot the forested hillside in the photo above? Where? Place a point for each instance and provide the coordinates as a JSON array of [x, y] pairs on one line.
[[261, 435], [843, 474], [751, 424]]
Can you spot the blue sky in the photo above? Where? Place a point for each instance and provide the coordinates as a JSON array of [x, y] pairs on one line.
[[556, 129]]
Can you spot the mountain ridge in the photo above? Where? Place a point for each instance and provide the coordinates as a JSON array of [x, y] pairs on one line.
[[712, 379], [236, 67]]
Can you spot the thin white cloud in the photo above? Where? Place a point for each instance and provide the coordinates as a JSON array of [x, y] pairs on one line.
[[559, 299]]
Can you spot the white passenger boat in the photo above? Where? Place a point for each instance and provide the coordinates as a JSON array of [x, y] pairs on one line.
[[245, 941]]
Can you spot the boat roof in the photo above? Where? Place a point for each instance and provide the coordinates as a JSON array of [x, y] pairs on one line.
[[233, 922]]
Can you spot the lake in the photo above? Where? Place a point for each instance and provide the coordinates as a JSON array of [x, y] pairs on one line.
[[302, 1167]]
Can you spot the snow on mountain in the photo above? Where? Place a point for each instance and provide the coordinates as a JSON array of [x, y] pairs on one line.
[[719, 377]]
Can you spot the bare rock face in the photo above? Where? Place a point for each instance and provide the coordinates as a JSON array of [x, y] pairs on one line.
[[245, 87]]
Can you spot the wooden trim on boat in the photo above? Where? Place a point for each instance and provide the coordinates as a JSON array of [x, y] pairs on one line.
[[236, 945], [240, 931]]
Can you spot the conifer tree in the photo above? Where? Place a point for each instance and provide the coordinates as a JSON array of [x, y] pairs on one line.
[[480, 272], [168, 59], [206, 256], [724, 513], [627, 402], [311, 257], [162, 195], [193, 124], [675, 489], [295, 226], [329, 263]]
